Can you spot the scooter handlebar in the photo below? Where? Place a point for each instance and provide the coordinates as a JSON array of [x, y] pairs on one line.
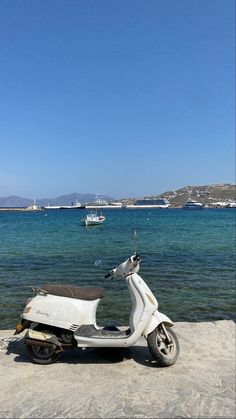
[[135, 258], [131, 265]]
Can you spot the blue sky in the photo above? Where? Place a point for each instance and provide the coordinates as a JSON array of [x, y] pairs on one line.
[[123, 98]]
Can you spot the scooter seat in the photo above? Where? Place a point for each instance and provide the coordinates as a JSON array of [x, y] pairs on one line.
[[73, 291]]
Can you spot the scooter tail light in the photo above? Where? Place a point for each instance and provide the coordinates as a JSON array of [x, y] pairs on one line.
[[27, 310], [21, 326]]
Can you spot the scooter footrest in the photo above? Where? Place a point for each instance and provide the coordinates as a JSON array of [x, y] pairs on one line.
[[88, 330]]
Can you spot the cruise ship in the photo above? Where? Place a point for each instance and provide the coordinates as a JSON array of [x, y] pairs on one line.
[[150, 203]]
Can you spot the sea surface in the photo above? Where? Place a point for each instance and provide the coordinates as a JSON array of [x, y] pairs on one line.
[[188, 259]]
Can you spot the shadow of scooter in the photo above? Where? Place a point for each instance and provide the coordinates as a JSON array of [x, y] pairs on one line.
[[139, 354]]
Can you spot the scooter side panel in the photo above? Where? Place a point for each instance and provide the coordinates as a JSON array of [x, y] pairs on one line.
[[60, 311]]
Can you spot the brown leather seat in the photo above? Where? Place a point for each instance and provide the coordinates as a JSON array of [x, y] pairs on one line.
[[72, 291]]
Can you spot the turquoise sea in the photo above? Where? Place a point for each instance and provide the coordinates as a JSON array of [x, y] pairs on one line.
[[188, 259]]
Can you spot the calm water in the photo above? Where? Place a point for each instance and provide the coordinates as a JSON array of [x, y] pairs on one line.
[[188, 259]]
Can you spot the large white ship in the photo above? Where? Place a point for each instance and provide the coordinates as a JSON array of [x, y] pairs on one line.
[[192, 205], [150, 203]]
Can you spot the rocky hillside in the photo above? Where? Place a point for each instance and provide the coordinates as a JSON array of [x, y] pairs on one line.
[[206, 194]]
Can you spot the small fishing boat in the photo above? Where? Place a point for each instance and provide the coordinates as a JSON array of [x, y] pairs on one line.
[[93, 218]]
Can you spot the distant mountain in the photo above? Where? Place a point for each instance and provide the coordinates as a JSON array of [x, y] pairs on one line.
[[73, 197], [16, 201]]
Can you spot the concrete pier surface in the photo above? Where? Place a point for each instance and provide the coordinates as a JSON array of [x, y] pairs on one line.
[[103, 384]]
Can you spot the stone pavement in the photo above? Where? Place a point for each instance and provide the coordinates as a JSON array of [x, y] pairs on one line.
[[99, 383]]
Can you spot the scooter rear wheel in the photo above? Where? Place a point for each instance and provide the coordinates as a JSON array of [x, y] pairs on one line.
[[42, 356], [164, 350]]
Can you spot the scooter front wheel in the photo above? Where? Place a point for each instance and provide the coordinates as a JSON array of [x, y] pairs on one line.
[[163, 345]]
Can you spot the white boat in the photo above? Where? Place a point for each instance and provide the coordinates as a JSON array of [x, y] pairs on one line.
[[150, 203], [51, 207], [193, 205], [108, 206], [77, 205], [93, 219]]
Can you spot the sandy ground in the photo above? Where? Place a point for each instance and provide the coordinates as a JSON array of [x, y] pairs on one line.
[[98, 384]]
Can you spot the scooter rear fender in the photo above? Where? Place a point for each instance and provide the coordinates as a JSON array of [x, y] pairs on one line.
[[156, 319], [44, 337]]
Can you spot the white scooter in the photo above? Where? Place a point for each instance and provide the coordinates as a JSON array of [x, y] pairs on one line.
[[65, 318]]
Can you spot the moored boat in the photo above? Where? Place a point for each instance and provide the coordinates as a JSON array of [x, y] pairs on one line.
[[77, 205], [93, 218], [150, 203], [192, 205], [52, 207]]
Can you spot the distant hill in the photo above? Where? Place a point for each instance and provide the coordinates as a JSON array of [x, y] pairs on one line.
[[16, 201], [206, 194]]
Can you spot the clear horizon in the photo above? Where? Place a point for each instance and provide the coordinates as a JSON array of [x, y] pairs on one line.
[[120, 98]]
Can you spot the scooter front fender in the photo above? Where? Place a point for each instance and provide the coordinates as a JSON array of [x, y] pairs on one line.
[[156, 319]]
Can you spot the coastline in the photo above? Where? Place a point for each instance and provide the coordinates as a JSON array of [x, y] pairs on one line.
[[90, 207], [13, 209], [93, 383]]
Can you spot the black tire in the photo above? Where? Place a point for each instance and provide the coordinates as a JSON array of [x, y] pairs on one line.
[[165, 353], [42, 356]]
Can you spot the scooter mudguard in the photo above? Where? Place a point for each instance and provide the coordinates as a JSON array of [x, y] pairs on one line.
[[156, 319]]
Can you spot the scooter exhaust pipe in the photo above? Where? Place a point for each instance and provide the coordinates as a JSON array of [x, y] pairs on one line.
[[43, 344]]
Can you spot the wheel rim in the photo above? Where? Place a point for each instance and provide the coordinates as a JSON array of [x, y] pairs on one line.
[[43, 353], [168, 349]]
